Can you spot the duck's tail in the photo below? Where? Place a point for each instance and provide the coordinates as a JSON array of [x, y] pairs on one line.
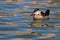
[[47, 12]]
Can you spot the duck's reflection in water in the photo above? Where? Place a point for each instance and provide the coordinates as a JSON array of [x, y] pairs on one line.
[[41, 23], [36, 23]]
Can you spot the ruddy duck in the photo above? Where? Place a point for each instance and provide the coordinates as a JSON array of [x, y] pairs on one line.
[[37, 14]]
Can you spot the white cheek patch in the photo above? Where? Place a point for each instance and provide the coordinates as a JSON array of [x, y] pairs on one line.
[[37, 13]]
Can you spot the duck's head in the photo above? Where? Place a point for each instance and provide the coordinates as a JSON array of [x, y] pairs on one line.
[[35, 12]]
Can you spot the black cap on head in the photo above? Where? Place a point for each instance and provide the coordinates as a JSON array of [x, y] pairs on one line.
[[36, 9]]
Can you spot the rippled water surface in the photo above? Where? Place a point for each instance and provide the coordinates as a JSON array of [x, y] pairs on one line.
[[21, 26]]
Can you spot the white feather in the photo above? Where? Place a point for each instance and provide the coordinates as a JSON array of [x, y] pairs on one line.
[[38, 14]]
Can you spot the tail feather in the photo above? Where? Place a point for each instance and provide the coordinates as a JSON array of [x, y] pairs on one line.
[[47, 12]]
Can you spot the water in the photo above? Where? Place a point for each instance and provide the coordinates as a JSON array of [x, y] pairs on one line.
[[22, 26]]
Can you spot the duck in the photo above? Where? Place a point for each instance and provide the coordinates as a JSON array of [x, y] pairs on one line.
[[37, 14]]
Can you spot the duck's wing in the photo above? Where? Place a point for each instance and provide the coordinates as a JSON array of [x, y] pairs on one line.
[[47, 12]]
